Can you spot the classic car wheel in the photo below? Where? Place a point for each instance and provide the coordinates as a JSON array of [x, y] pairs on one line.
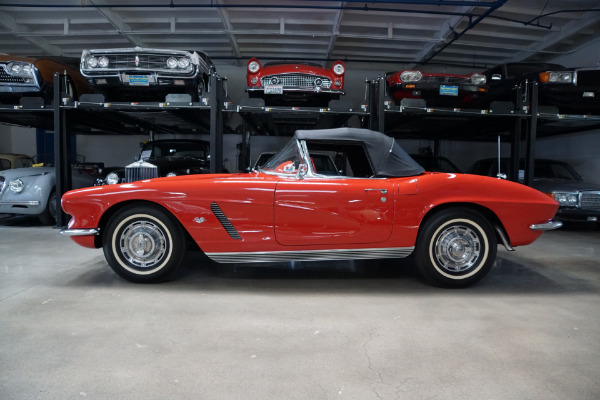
[[143, 244], [456, 248], [48, 216]]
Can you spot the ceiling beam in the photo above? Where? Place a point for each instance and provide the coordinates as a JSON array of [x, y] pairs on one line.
[[115, 20], [224, 15]]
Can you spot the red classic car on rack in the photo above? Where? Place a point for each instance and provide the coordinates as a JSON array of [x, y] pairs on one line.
[[437, 90], [295, 83], [379, 204]]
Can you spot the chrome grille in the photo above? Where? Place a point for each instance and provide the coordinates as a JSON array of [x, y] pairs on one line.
[[149, 62], [590, 201], [140, 170], [588, 77], [227, 225], [295, 80], [5, 77]]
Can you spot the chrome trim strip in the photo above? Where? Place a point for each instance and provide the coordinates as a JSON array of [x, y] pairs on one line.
[[554, 224], [21, 203], [80, 232], [311, 255]]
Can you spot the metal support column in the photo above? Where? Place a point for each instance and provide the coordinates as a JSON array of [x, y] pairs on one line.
[[62, 152], [515, 148], [216, 124], [531, 136], [376, 105]]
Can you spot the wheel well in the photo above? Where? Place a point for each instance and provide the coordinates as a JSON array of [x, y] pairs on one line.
[[483, 211], [118, 207]]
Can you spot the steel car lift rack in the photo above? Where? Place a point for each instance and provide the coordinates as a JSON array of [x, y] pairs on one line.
[[524, 119], [376, 112]]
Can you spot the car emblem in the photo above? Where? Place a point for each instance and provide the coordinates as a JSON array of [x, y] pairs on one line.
[[137, 60]]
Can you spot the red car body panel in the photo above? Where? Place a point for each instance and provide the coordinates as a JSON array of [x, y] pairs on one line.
[[275, 213]]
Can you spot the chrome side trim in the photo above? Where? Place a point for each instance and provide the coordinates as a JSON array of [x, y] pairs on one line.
[[79, 232], [311, 255], [227, 225], [554, 224], [21, 203]]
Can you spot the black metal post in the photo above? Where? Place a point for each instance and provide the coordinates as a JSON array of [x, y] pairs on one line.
[[62, 161], [531, 136], [515, 149], [216, 124]]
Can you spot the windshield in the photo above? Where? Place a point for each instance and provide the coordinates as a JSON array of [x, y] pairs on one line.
[[174, 149], [284, 162]]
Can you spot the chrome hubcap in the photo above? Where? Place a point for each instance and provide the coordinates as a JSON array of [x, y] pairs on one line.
[[457, 249], [143, 244]]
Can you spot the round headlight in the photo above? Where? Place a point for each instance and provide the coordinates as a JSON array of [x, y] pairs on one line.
[[183, 63], [338, 69], [15, 68], [171, 174], [16, 185], [411, 76], [253, 66], [26, 69], [478, 79], [91, 62], [172, 62], [103, 62], [112, 178]]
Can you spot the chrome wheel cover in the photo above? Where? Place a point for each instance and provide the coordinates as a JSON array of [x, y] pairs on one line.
[[457, 249], [143, 244]]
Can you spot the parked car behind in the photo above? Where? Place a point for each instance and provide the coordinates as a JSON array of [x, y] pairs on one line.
[[433, 163], [34, 77], [140, 74], [579, 200], [163, 158], [571, 90], [295, 83], [13, 160], [32, 191], [437, 89]]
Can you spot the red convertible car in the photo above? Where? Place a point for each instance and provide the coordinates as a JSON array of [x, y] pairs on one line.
[[382, 204], [295, 83], [438, 90]]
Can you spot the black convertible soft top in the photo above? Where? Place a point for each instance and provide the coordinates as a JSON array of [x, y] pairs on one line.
[[386, 155]]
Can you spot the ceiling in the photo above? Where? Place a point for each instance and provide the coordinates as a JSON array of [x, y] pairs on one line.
[[467, 33]]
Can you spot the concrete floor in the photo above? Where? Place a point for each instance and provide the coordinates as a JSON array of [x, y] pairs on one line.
[[71, 329]]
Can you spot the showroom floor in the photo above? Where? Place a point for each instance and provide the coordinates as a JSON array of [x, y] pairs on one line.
[[71, 329]]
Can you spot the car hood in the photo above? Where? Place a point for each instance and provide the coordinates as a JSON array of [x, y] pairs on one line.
[[549, 185], [21, 172]]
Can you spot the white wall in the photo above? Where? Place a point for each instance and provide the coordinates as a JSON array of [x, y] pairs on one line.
[[16, 139]]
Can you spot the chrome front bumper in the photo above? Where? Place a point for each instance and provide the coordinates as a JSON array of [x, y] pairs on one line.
[[80, 232], [554, 224]]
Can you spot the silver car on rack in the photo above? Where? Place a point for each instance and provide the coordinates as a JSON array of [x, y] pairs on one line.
[[141, 74]]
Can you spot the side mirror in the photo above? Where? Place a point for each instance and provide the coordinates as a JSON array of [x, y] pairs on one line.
[[302, 171]]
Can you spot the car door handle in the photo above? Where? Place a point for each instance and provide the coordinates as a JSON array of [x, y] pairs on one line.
[[383, 191]]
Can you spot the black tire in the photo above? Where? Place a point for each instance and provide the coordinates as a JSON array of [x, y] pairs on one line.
[[48, 216], [143, 244], [455, 248]]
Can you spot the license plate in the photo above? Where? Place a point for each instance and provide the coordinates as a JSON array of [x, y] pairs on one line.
[[448, 90], [139, 80], [273, 89]]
